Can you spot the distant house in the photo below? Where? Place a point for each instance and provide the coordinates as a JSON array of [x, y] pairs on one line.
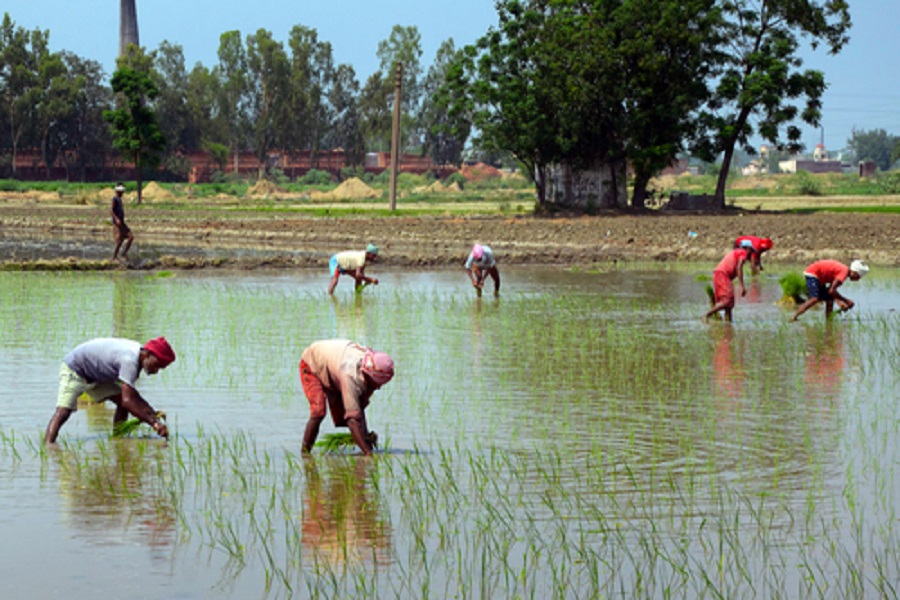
[[820, 163]]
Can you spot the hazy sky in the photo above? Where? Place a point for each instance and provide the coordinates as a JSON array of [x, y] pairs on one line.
[[864, 79]]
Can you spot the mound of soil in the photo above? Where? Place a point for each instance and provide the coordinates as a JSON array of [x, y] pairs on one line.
[[480, 171], [264, 189], [352, 189], [153, 191]]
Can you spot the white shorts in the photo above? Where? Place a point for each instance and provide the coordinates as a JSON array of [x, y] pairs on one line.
[[72, 385]]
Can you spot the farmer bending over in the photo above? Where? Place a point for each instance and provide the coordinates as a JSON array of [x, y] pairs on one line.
[[823, 278], [340, 376], [107, 369], [352, 263], [758, 245], [480, 264], [730, 267]]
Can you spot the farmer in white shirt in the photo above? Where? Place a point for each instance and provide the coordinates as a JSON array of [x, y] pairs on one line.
[[480, 264], [108, 369]]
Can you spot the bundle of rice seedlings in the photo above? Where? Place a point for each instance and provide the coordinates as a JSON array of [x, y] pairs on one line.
[[793, 285], [336, 442], [129, 426]]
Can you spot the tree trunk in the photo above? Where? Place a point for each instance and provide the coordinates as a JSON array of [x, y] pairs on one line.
[[128, 27], [723, 177], [601, 185], [639, 196], [138, 175]]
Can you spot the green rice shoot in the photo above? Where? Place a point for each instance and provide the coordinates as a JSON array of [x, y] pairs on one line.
[[340, 441], [793, 285]]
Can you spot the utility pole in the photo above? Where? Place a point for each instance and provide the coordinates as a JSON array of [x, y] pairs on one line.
[[395, 135]]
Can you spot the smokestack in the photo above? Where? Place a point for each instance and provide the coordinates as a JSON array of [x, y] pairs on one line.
[[128, 27]]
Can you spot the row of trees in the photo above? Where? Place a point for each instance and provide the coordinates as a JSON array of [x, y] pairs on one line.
[[263, 94], [578, 89]]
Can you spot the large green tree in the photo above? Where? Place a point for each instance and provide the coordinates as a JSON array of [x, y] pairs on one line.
[[268, 73], [311, 76], [135, 131], [172, 109], [21, 54], [445, 130], [84, 136], [762, 89], [403, 46], [876, 145], [232, 116], [345, 131], [667, 50]]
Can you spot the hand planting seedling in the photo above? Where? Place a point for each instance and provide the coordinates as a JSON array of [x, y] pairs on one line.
[[129, 426]]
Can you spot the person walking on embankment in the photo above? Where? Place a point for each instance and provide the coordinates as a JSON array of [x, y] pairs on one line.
[[121, 231]]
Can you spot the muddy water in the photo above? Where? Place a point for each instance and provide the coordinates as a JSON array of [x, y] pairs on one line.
[[609, 380]]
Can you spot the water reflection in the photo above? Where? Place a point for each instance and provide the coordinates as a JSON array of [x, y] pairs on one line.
[[110, 491], [127, 308], [824, 360], [343, 519], [728, 363], [349, 317]]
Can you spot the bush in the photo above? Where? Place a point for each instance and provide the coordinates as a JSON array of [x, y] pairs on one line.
[[315, 177], [806, 185], [457, 178], [888, 183]]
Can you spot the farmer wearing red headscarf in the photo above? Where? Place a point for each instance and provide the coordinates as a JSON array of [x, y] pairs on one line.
[[340, 376], [108, 369], [758, 245]]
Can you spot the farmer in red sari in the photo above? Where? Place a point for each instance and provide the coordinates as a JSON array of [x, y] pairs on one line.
[[730, 267], [340, 376]]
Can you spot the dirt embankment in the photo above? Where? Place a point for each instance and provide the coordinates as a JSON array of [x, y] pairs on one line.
[[264, 239]]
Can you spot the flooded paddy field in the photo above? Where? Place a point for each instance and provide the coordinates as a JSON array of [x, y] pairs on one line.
[[584, 435]]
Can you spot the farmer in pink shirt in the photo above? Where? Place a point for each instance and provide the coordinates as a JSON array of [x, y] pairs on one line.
[[340, 376], [730, 267], [758, 245], [823, 277]]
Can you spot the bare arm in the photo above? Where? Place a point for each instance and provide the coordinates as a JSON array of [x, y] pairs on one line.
[[61, 415], [141, 409], [360, 276]]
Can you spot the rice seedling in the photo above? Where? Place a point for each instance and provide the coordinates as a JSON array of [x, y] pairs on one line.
[[132, 425], [576, 444], [340, 441], [793, 287]]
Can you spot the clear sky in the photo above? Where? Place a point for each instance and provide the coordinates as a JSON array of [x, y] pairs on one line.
[[864, 79]]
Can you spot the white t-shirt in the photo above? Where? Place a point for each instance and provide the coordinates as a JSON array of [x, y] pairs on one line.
[[106, 360], [485, 262], [351, 260]]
